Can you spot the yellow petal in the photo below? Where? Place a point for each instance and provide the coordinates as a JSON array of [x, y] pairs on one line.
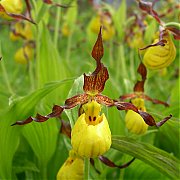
[[20, 55], [11, 6], [135, 123], [159, 57], [108, 30], [72, 169], [91, 140]]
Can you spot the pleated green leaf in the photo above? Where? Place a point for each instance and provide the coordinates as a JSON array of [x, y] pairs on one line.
[[19, 110], [164, 162]]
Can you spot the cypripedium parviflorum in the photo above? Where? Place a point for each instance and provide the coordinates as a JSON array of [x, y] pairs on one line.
[[65, 30], [11, 6], [91, 135], [24, 54], [22, 30], [162, 52], [72, 169], [105, 20], [158, 57], [134, 122]]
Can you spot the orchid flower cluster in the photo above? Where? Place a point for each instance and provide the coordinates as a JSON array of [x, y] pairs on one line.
[[91, 135]]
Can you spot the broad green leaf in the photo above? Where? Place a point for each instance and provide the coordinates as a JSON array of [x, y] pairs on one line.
[[157, 158], [50, 66], [119, 18], [77, 88], [150, 32], [19, 110], [139, 170]]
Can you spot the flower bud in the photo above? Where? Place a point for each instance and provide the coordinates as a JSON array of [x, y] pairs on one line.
[[73, 168], [91, 135], [23, 55], [159, 57], [11, 6], [65, 30], [134, 122]]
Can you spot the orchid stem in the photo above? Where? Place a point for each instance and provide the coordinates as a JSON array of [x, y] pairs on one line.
[[86, 168]]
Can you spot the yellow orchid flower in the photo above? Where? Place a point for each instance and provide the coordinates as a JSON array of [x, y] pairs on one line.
[[24, 54], [91, 135], [134, 122], [108, 30], [159, 57], [22, 31], [11, 6], [72, 169]]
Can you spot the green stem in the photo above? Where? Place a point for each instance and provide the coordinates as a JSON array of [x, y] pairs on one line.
[[6, 78], [175, 24], [5, 75], [68, 47], [56, 32], [31, 75], [86, 168]]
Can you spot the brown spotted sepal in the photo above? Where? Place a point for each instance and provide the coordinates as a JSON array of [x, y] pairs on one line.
[[95, 82], [148, 8]]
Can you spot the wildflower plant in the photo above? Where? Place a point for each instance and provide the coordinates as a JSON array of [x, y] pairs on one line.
[[91, 135]]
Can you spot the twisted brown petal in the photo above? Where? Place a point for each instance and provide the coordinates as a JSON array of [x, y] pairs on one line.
[[76, 100], [126, 106], [109, 163], [155, 101], [16, 16], [101, 99], [127, 96], [98, 50], [148, 8]]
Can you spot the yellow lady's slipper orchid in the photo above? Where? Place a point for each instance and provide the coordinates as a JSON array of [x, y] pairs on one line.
[[108, 30], [91, 135], [72, 169], [24, 54], [134, 122], [159, 57], [22, 30], [18, 28], [11, 6]]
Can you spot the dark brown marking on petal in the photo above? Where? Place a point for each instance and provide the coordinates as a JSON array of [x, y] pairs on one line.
[[148, 119], [163, 121], [174, 31], [125, 106], [76, 100], [98, 50], [128, 96], [56, 111], [95, 83], [101, 99], [109, 163], [26, 121], [155, 101]]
